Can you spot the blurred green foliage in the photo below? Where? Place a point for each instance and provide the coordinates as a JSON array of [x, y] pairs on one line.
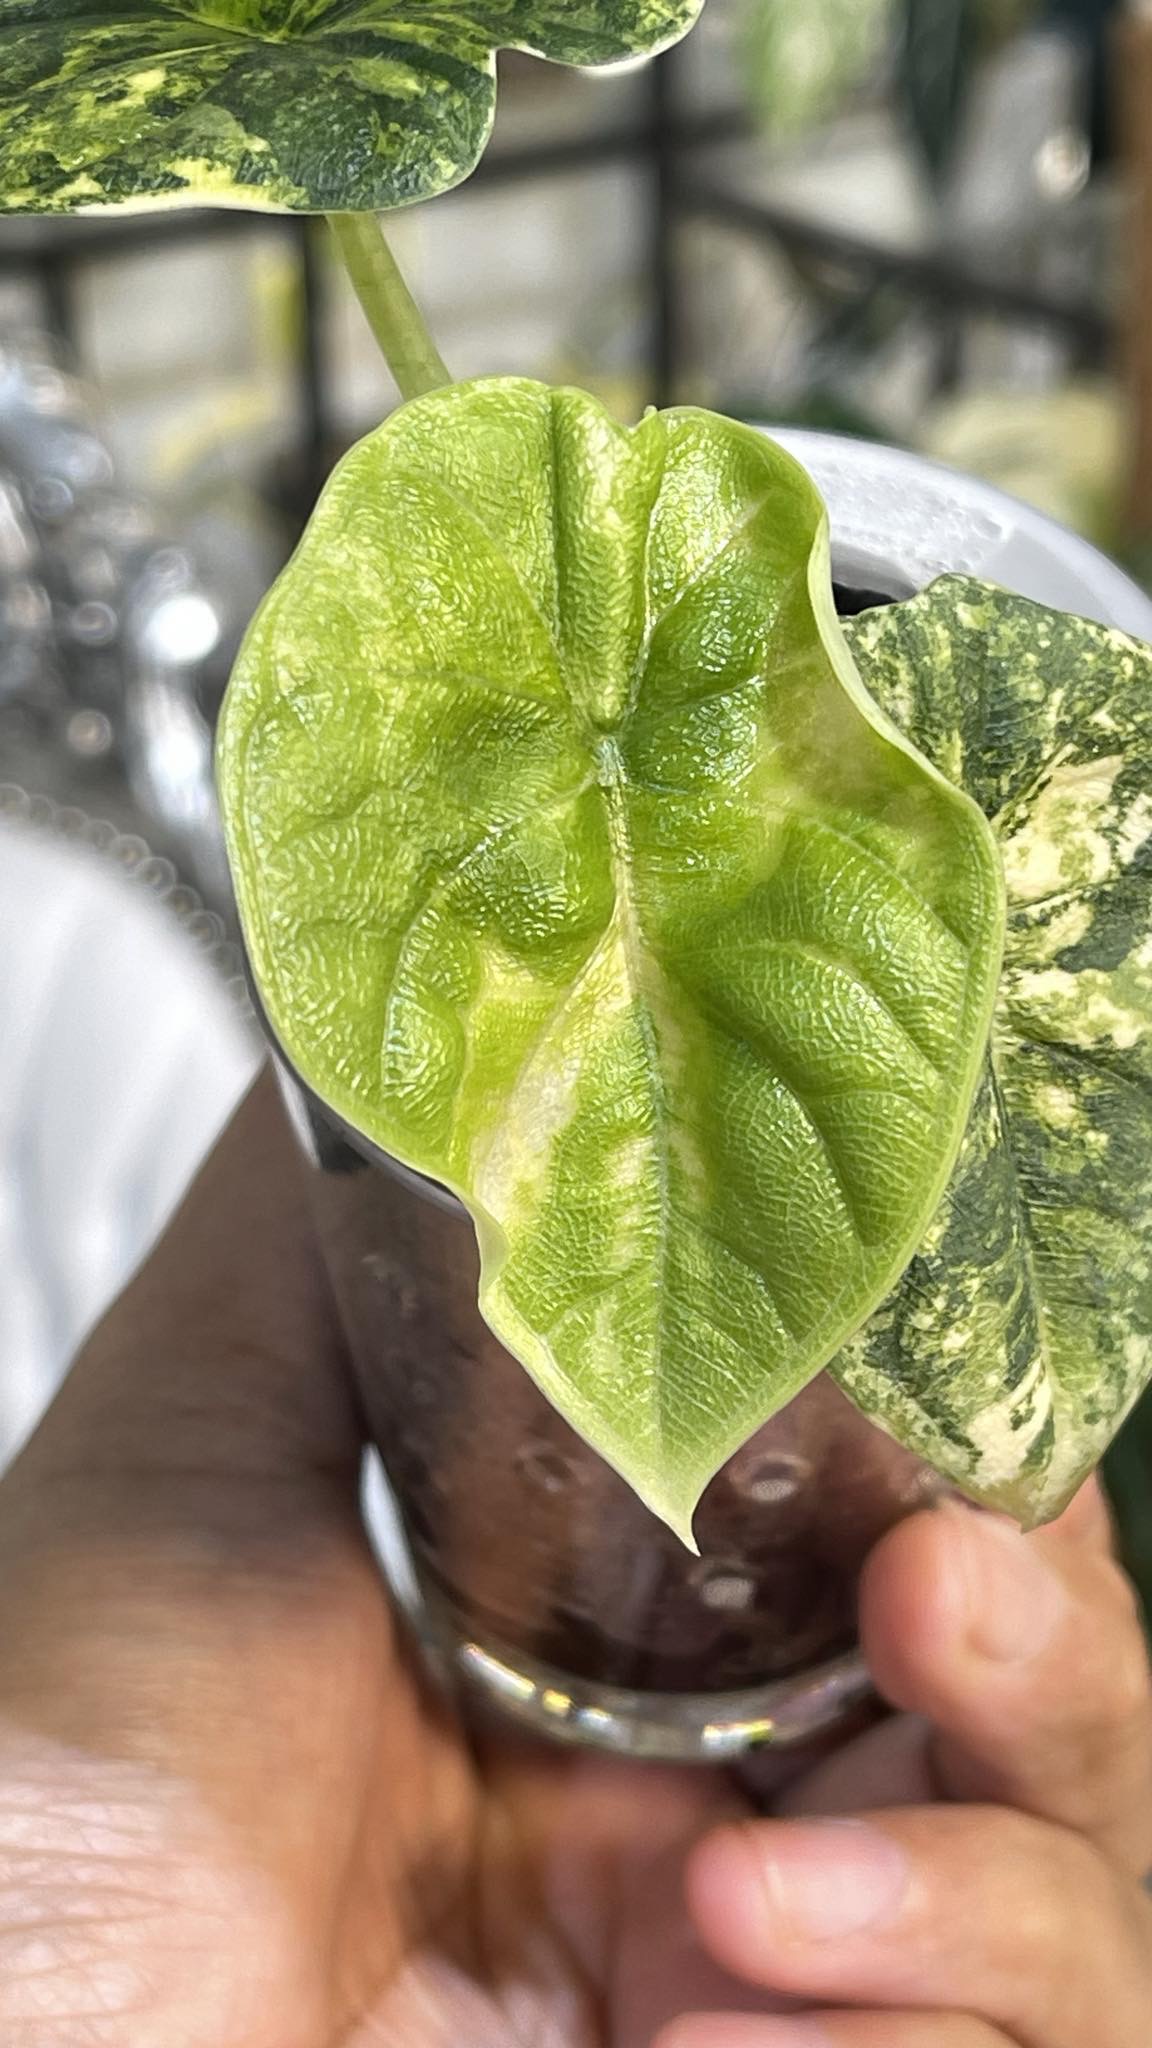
[[803, 57]]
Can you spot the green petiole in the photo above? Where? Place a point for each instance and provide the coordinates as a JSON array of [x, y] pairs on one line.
[[389, 308]]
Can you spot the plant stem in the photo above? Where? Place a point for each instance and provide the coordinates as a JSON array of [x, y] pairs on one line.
[[391, 311]]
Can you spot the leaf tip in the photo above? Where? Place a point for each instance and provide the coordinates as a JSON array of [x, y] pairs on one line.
[[672, 1506]]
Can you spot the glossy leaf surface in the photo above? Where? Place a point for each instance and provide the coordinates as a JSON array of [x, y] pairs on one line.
[[578, 871], [1022, 1331], [315, 105]]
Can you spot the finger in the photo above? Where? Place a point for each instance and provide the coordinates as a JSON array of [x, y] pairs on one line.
[[216, 1382], [1086, 1524], [833, 2030], [945, 1909], [1027, 1656]]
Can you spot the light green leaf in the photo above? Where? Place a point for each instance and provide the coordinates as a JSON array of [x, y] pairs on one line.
[[1021, 1333], [578, 871], [313, 105]]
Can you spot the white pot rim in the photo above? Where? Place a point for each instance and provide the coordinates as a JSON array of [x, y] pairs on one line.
[[938, 521]]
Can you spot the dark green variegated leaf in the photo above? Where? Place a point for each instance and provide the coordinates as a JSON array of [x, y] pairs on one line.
[[317, 105], [578, 871], [1022, 1331]]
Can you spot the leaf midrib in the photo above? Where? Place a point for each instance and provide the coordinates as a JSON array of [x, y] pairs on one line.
[[640, 959]]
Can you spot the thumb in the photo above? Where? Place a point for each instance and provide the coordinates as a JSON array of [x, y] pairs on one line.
[[1026, 1655]]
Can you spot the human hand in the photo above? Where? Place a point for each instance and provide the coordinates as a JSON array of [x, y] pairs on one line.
[[231, 1815], [985, 1888]]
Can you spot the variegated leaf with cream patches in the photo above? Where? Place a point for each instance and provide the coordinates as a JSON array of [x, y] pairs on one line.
[[312, 105], [1021, 1333], [579, 872]]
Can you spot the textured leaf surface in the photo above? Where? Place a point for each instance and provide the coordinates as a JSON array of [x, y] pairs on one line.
[[318, 105], [578, 871], [1022, 1332]]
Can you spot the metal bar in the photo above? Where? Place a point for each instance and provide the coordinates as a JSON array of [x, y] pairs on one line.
[[312, 383], [55, 282], [935, 276], [33, 243], [663, 144], [610, 145], [66, 241], [1133, 85]]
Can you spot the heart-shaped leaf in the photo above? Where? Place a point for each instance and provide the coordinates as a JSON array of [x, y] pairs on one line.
[[330, 106], [1021, 1333], [579, 872]]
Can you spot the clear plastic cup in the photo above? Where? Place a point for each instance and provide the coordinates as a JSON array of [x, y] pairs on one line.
[[539, 1583]]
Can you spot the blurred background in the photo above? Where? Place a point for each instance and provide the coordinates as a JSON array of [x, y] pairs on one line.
[[926, 222]]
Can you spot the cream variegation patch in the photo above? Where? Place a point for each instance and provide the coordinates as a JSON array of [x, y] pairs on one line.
[[1064, 841]]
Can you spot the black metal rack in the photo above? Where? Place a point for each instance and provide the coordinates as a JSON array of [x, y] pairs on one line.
[[669, 145]]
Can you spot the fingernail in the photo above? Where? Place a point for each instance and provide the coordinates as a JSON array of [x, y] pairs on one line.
[[1015, 1601], [822, 1880]]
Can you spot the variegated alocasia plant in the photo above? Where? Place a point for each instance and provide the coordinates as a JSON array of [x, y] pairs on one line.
[[1021, 1333], [579, 869], [579, 872]]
